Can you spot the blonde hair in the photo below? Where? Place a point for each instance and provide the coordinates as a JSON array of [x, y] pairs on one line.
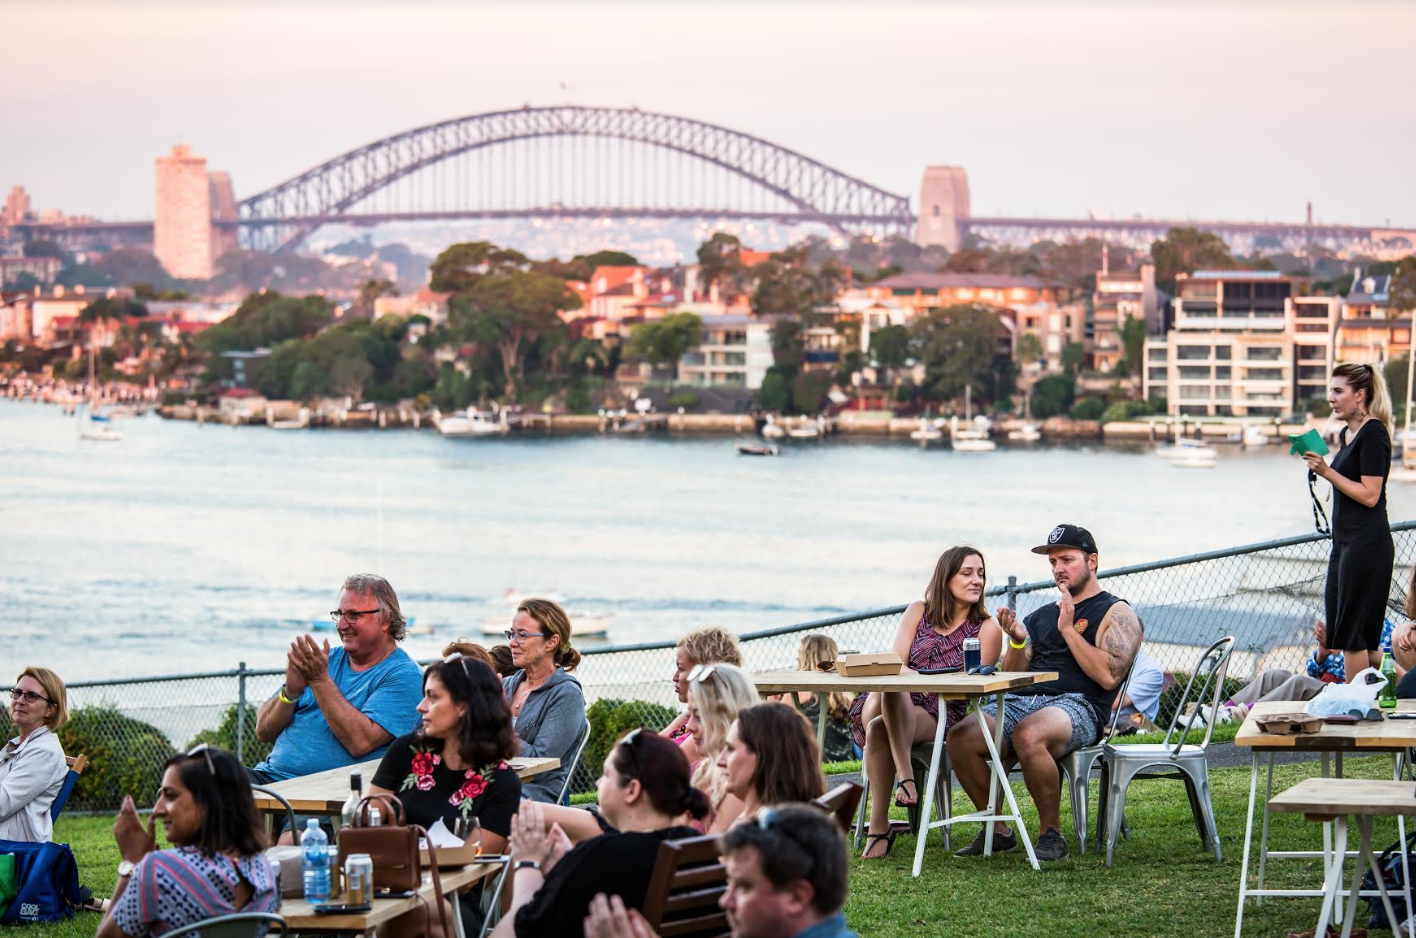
[[54, 690], [717, 698], [816, 648], [1370, 380], [711, 645], [553, 619]]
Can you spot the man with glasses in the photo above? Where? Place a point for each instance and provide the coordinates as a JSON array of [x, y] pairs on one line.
[[343, 705]]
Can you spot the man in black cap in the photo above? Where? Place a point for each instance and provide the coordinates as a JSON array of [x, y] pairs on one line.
[[1089, 637]]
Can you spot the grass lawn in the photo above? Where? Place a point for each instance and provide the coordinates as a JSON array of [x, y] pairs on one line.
[[1163, 884]]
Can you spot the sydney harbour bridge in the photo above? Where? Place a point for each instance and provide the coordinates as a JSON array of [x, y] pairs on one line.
[[574, 162]]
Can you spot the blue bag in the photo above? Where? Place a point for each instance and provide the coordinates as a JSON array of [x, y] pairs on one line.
[[48, 878]]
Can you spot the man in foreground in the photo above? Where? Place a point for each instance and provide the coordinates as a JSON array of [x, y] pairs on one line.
[[1089, 637], [339, 706], [787, 878]]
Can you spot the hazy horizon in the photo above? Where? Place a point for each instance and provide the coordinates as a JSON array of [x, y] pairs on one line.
[[1240, 111]]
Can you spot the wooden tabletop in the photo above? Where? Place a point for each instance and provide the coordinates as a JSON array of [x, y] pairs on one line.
[[1322, 799], [1385, 735], [301, 917], [325, 792], [957, 686]]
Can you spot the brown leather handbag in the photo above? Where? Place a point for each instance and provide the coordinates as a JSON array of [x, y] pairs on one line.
[[393, 846]]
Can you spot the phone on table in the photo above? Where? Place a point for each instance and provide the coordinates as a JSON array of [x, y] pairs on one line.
[[393, 894], [341, 908], [954, 670]]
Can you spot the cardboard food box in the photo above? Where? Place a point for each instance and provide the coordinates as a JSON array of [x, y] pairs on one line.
[[450, 856], [870, 665]]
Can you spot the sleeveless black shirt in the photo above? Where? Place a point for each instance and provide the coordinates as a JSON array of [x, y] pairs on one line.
[[1050, 652]]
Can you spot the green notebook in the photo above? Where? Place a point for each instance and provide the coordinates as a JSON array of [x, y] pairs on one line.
[[1310, 442]]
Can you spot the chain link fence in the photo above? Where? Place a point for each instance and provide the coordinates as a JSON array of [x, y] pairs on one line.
[[1266, 595]]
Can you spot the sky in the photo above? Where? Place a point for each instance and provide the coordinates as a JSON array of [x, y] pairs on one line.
[[1177, 110]]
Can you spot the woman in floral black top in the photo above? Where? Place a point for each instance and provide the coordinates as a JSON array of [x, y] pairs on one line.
[[455, 766]]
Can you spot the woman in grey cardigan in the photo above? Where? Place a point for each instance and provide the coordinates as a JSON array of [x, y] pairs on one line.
[[32, 766], [547, 705]]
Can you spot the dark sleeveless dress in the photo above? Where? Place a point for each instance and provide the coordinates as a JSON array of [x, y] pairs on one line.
[[928, 650], [1360, 567]]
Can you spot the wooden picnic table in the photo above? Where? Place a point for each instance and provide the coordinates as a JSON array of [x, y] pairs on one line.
[[300, 915], [958, 686], [325, 792]]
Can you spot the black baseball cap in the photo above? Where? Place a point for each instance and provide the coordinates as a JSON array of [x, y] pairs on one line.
[[1068, 535]]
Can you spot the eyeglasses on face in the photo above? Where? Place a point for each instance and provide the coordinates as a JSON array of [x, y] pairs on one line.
[[701, 673], [203, 749], [519, 638], [28, 696], [351, 615]]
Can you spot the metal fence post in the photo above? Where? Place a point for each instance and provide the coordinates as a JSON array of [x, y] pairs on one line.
[[241, 713], [1012, 592]]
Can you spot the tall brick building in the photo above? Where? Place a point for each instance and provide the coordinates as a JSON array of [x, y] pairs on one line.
[[182, 231]]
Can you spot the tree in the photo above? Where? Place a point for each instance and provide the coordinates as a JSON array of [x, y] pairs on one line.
[[115, 308], [511, 310], [43, 247], [1133, 344], [890, 346], [1186, 250], [1029, 347], [719, 263], [371, 290], [774, 393], [609, 259], [809, 391], [1403, 284], [1052, 395], [1072, 354], [664, 341], [959, 348], [787, 283], [462, 265]]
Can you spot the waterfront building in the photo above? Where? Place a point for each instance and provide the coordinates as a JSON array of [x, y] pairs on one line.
[[1370, 330], [15, 317], [60, 304], [1116, 297], [1243, 345], [735, 352], [182, 229], [615, 290], [42, 269]]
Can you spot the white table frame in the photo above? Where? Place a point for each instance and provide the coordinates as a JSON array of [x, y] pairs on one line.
[[943, 686]]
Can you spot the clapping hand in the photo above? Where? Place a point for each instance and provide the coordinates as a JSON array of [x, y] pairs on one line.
[[134, 840], [609, 918], [309, 661]]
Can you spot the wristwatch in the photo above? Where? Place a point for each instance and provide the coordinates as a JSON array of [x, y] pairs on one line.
[[125, 869], [527, 865]]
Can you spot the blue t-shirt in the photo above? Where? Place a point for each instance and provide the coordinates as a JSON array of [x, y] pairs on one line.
[[388, 693], [1147, 681]]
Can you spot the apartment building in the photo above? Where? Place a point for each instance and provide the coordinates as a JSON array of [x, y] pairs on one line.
[[1118, 296], [1369, 329], [735, 352], [1242, 346]]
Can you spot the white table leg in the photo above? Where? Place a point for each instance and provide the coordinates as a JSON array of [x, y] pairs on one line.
[[1366, 858], [926, 806], [1263, 839], [1398, 763], [1000, 778], [1248, 836], [1332, 880]]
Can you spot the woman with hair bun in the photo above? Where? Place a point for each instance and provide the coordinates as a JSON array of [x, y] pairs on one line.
[[1360, 566], [32, 766], [547, 704], [644, 789]]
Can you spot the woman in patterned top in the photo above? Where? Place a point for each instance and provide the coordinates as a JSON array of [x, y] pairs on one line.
[[216, 866], [931, 635], [454, 766]]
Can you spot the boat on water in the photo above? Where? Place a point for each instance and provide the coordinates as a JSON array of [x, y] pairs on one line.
[[1254, 435], [471, 423], [1192, 451], [971, 445], [1027, 433], [758, 449], [92, 424], [771, 430], [807, 428], [301, 421], [927, 432], [1196, 459]]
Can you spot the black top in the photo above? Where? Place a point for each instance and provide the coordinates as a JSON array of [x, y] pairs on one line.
[[619, 864], [836, 746], [1050, 652], [429, 790], [1367, 454]]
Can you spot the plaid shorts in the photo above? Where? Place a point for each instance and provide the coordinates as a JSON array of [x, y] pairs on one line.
[[1085, 730]]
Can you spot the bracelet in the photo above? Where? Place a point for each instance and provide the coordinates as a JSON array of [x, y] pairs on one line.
[[527, 865], [280, 695], [1017, 645]]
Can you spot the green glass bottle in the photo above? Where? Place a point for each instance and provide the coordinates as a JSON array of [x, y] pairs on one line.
[[1386, 697]]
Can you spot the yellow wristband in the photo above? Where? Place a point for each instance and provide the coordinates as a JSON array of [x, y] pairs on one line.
[[1013, 644], [281, 695]]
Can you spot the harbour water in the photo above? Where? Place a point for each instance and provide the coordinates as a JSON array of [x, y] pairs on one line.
[[187, 548]]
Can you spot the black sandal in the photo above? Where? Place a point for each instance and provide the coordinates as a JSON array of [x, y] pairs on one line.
[[898, 790], [873, 839]]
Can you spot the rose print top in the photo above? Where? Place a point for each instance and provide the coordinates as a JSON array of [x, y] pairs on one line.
[[414, 770]]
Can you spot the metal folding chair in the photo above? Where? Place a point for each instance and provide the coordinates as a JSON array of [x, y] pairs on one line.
[[1076, 767], [237, 925], [1120, 765], [943, 804], [577, 749]]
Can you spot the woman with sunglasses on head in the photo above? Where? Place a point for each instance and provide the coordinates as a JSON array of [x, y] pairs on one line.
[[931, 635], [771, 757], [32, 767], [644, 790], [547, 704], [716, 694], [1360, 566], [711, 645], [216, 865]]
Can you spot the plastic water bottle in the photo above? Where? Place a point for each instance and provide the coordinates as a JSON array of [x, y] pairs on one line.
[[314, 847], [1386, 697]]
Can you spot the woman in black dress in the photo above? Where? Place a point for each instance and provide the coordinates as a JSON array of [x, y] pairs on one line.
[[1359, 570]]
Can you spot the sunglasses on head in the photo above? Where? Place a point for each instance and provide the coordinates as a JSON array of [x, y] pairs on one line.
[[458, 656], [628, 744], [203, 750], [701, 673]]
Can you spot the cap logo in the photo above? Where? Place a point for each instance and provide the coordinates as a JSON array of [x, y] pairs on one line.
[[1056, 534]]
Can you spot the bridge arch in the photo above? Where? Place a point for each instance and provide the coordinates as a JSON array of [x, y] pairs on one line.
[[285, 214]]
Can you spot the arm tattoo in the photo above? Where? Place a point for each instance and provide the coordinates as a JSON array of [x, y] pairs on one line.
[[1122, 640]]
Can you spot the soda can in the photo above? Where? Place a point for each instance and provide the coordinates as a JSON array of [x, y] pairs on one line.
[[358, 878], [335, 886], [971, 654]]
